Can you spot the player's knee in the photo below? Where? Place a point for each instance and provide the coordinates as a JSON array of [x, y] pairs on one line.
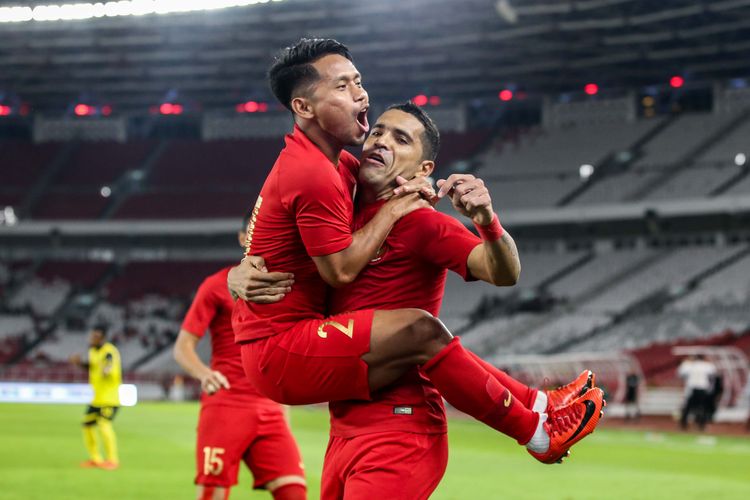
[[428, 333]]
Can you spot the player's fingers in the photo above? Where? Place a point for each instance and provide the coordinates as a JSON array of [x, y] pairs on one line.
[[271, 277], [414, 185], [271, 290], [257, 285], [257, 262], [221, 380], [451, 182], [268, 299]]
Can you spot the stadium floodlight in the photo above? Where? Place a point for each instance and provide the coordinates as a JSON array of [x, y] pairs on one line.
[[740, 159], [8, 217], [105, 191], [591, 89], [80, 11], [585, 171], [420, 100]]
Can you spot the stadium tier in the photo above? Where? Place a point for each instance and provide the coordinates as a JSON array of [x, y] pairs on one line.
[[601, 289]]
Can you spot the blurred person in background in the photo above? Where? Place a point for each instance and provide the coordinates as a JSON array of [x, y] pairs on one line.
[[632, 411], [236, 424], [698, 375], [105, 376]]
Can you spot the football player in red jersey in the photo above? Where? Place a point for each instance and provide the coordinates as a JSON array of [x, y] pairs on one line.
[[236, 424], [395, 445], [302, 223]]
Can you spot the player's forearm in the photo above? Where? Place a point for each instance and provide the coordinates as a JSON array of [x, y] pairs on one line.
[[496, 262], [342, 268], [187, 357]]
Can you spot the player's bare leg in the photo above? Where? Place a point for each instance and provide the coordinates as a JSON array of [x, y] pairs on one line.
[[212, 493]]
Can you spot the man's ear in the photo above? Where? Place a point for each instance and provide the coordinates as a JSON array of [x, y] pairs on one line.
[[302, 107], [426, 168]]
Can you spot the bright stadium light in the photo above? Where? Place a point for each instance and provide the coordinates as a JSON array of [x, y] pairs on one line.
[[585, 171], [8, 217], [79, 11], [740, 159], [105, 191]]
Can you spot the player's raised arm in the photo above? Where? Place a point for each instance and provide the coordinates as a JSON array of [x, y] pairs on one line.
[[496, 260], [341, 268]]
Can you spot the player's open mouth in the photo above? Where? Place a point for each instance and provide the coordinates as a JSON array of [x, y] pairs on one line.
[[362, 121], [375, 158]]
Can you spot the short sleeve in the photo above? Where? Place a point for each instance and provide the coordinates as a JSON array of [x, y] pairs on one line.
[[323, 210], [441, 240], [202, 311]]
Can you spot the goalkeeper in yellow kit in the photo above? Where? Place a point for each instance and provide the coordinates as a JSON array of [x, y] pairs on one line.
[[105, 376]]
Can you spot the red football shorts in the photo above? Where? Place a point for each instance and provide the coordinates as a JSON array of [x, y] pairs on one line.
[[390, 465], [315, 361], [259, 436]]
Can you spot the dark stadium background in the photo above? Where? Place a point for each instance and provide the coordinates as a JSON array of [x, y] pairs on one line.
[[613, 134]]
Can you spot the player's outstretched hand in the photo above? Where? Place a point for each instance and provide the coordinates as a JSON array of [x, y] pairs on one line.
[[75, 359], [421, 185], [251, 281], [213, 381], [469, 197]]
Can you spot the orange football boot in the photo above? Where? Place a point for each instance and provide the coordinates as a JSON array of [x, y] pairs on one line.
[[569, 424], [563, 395]]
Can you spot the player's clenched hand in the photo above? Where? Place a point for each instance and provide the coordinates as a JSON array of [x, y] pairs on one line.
[[213, 381], [75, 359], [405, 204], [419, 184], [251, 281], [469, 197]]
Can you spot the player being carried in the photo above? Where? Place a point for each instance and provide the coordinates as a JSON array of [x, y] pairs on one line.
[[236, 424], [302, 224]]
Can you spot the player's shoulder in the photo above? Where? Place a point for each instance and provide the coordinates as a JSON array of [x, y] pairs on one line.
[[216, 280], [109, 347]]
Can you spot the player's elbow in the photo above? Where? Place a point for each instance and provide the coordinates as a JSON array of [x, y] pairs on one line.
[[339, 278], [505, 277]]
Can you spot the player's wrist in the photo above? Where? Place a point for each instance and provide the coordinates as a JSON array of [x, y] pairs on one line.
[[491, 231]]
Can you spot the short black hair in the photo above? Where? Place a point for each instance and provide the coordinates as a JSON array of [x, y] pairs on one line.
[[430, 136], [100, 328], [292, 69]]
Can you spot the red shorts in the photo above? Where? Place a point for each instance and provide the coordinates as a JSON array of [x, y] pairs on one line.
[[388, 465], [259, 436], [315, 361]]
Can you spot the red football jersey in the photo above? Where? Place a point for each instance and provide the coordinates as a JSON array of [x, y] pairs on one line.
[[304, 209], [212, 310], [410, 271]]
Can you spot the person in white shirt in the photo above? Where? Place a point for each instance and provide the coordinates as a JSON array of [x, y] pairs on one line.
[[698, 374]]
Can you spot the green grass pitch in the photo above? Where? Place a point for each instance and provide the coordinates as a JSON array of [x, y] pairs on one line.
[[40, 448]]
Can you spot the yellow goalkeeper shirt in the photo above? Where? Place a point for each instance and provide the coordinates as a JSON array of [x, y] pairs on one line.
[[105, 375]]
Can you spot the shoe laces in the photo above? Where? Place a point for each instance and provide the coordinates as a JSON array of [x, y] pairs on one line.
[[564, 419]]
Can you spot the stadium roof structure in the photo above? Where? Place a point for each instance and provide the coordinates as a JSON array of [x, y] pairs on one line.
[[452, 48]]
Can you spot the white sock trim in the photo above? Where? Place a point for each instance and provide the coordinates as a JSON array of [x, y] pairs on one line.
[[539, 442], [540, 403]]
